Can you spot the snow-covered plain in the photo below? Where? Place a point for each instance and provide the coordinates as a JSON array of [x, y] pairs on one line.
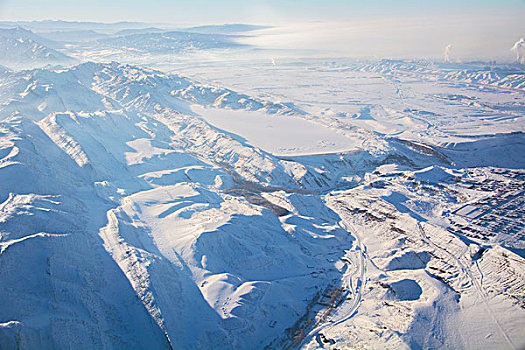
[[277, 134], [177, 200]]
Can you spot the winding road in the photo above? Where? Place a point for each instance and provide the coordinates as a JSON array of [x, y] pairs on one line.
[[353, 280]]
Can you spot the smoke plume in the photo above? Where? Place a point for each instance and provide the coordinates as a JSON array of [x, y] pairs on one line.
[[447, 53], [519, 48]]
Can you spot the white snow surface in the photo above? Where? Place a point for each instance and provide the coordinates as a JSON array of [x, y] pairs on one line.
[[278, 134], [299, 203]]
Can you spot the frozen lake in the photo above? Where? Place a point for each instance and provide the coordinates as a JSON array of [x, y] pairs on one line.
[[278, 134]]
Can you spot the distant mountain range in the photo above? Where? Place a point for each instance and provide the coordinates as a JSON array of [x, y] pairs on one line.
[[226, 28], [72, 35], [24, 49], [171, 41], [69, 25]]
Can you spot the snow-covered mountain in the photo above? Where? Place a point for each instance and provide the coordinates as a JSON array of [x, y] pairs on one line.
[[59, 25], [171, 42], [144, 209], [72, 36], [121, 150], [509, 76], [22, 48]]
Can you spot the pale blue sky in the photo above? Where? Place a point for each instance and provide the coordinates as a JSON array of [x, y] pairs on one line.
[[221, 11]]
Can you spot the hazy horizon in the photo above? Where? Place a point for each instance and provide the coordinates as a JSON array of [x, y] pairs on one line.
[[474, 30]]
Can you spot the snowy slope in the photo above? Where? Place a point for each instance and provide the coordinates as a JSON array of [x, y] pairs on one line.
[[143, 184], [23, 49], [62, 287], [143, 224]]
